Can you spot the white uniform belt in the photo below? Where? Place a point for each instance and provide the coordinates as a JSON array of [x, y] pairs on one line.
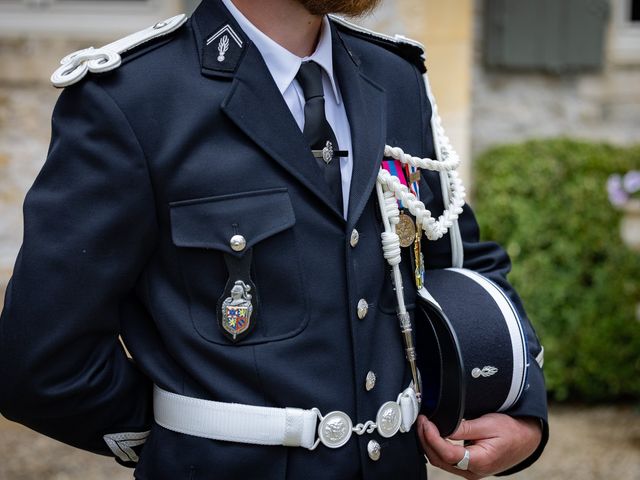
[[291, 427]]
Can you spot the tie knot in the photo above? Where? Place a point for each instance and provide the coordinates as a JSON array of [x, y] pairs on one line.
[[310, 78]]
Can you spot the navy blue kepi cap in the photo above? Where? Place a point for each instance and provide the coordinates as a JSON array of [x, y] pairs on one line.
[[471, 348]]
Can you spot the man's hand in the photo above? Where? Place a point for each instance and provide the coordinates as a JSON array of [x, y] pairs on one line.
[[496, 442]]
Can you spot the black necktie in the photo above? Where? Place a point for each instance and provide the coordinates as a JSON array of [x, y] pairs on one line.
[[317, 130]]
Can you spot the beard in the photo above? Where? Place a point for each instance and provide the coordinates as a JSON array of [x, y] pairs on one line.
[[350, 8]]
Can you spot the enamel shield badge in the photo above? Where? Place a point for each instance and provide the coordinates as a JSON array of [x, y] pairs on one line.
[[236, 311]]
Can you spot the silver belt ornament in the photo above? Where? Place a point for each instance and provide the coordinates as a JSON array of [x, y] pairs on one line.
[[336, 428], [292, 427]]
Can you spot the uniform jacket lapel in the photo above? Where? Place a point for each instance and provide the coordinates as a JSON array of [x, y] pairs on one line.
[[365, 103], [271, 125], [255, 104]]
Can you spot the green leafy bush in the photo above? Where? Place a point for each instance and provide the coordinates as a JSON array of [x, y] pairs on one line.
[[546, 203]]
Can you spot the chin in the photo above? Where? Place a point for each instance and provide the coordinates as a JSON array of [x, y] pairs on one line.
[[351, 8]]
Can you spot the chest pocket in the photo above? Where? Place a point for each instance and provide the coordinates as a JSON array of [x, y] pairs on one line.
[[202, 230]]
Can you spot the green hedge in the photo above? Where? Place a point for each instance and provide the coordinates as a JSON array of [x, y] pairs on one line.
[[546, 202]]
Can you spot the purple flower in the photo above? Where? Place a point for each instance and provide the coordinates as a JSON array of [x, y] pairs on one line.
[[617, 194], [631, 182]]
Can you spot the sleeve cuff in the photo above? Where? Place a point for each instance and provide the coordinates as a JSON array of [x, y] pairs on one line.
[[532, 404]]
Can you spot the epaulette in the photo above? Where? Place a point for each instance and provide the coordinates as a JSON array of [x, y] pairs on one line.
[[407, 48], [76, 65]]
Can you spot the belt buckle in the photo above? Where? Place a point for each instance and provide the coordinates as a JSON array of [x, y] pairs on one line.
[[335, 429]]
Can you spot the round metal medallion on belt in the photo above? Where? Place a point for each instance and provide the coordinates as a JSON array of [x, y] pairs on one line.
[[406, 230], [238, 243], [335, 429], [373, 449], [389, 419]]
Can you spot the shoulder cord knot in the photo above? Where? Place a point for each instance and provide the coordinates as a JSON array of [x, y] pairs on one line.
[[447, 163]]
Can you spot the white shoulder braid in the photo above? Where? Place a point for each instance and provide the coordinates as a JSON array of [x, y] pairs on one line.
[[76, 65]]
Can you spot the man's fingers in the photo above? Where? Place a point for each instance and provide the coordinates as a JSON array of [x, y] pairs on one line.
[[436, 461], [422, 429], [448, 452], [477, 429], [445, 455]]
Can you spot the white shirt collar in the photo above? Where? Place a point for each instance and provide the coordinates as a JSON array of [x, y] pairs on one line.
[[283, 64]]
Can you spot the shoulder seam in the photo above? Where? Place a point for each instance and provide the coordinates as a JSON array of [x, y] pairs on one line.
[[411, 50], [381, 36]]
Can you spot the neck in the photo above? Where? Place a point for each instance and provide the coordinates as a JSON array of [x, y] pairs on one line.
[[286, 22]]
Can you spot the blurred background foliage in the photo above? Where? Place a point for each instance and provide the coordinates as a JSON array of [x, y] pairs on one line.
[[546, 202]]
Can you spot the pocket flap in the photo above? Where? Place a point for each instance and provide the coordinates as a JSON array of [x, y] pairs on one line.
[[211, 222]]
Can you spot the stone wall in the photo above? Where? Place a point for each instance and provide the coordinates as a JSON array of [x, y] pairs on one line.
[[510, 107], [26, 101]]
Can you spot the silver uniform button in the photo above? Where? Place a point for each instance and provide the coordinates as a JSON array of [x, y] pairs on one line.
[[389, 419], [374, 449], [370, 382], [355, 238], [238, 243], [363, 308], [335, 429]]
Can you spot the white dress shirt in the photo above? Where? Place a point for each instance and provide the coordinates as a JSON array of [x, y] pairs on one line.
[[284, 65]]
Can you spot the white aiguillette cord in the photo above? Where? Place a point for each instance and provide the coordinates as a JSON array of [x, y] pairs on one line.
[[390, 190], [76, 65]]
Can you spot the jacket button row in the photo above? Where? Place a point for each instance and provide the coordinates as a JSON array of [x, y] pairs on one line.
[[363, 308]]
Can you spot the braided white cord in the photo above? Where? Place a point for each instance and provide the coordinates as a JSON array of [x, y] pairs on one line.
[[443, 147], [450, 159], [444, 150], [434, 229], [446, 163], [391, 241]]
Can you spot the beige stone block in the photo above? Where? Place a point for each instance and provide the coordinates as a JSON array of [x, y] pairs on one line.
[[25, 60], [450, 75], [435, 19]]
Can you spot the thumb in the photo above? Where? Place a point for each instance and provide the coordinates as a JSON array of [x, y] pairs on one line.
[[474, 429]]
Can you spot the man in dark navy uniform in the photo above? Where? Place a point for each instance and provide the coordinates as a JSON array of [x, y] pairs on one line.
[[211, 203]]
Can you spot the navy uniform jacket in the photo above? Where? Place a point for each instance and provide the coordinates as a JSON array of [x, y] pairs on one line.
[[152, 169]]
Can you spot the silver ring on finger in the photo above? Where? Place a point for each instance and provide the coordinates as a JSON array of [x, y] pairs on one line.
[[464, 463]]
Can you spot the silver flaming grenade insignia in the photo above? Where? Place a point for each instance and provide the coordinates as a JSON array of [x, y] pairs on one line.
[[223, 46], [237, 310]]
